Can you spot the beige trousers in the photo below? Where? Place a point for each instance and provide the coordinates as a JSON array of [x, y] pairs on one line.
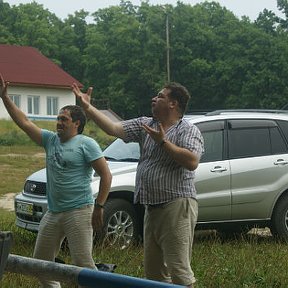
[[168, 239], [76, 226]]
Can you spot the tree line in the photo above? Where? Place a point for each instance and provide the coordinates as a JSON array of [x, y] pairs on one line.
[[224, 61]]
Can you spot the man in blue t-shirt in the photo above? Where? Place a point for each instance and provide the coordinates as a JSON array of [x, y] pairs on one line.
[[70, 160]]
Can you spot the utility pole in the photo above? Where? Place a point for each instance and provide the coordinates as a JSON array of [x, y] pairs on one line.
[[167, 47]]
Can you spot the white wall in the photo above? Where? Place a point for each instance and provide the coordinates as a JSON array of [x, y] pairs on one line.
[[65, 97]]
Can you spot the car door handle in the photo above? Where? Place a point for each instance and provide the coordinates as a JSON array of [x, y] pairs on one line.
[[218, 169], [280, 162]]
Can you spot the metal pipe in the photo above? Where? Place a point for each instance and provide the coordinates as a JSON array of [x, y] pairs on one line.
[[78, 275], [36, 267]]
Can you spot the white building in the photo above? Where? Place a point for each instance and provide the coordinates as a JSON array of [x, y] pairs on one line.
[[37, 85]]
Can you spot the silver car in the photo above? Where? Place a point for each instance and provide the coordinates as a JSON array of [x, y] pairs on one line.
[[242, 180]]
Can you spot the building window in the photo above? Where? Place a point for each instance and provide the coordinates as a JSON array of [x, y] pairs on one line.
[[15, 99], [52, 106], [33, 105]]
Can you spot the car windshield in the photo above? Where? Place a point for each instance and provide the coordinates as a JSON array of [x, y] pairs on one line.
[[121, 151]]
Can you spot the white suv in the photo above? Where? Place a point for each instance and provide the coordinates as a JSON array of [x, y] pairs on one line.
[[242, 180]]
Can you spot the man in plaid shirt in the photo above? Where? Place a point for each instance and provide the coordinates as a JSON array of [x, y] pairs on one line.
[[171, 148]]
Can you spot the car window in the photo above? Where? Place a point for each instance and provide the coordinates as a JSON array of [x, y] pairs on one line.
[[284, 128], [249, 142], [212, 132], [277, 142], [252, 138], [121, 151], [213, 143]]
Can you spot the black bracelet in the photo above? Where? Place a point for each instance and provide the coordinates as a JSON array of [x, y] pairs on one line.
[[98, 205]]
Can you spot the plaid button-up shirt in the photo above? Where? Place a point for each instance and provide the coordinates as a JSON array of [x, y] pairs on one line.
[[159, 178]]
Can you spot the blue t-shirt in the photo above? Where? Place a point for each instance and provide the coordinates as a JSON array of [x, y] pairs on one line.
[[69, 170]]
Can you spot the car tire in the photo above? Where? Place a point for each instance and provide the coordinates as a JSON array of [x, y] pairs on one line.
[[121, 226], [279, 223]]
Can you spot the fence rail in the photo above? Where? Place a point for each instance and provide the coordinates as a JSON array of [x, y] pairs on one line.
[[68, 273], [78, 275]]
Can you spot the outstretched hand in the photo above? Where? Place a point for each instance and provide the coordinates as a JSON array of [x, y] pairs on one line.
[[84, 98], [157, 135], [3, 87]]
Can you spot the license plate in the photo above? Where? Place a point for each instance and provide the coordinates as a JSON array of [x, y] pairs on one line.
[[25, 208]]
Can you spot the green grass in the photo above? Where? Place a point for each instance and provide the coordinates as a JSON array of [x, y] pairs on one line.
[[254, 261], [16, 163], [250, 262], [129, 261]]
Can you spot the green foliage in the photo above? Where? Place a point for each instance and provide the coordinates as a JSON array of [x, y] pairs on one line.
[[95, 132], [225, 62], [11, 135], [14, 138]]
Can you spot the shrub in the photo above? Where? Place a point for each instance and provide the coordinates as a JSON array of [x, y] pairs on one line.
[[12, 135]]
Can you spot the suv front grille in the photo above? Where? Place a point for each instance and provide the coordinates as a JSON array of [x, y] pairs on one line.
[[36, 217], [35, 188]]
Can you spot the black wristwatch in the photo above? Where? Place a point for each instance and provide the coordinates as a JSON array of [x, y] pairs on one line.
[[163, 142]]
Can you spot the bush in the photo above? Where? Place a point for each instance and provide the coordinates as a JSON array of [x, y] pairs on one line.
[[15, 137], [12, 135]]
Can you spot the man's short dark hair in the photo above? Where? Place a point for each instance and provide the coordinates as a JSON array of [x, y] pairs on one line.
[[77, 113], [179, 93]]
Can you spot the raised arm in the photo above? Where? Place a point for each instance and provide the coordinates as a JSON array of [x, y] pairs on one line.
[[101, 120], [17, 115]]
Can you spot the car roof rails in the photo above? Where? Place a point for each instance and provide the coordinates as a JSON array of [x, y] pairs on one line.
[[285, 107], [227, 111], [198, 112]]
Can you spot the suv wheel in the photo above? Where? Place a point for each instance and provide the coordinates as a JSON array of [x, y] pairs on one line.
[[120, 226], [279, 225]]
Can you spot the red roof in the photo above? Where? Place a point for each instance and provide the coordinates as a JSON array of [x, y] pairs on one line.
[[22, 65]]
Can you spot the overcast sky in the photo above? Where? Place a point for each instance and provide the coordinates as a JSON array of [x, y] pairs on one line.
[[62, 8]]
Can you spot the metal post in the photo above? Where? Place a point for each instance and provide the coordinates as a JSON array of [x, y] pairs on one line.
[[167, 47], [5, 244]]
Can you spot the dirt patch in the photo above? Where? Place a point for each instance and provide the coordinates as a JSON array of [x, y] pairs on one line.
[[261, 231], [38, 155]]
